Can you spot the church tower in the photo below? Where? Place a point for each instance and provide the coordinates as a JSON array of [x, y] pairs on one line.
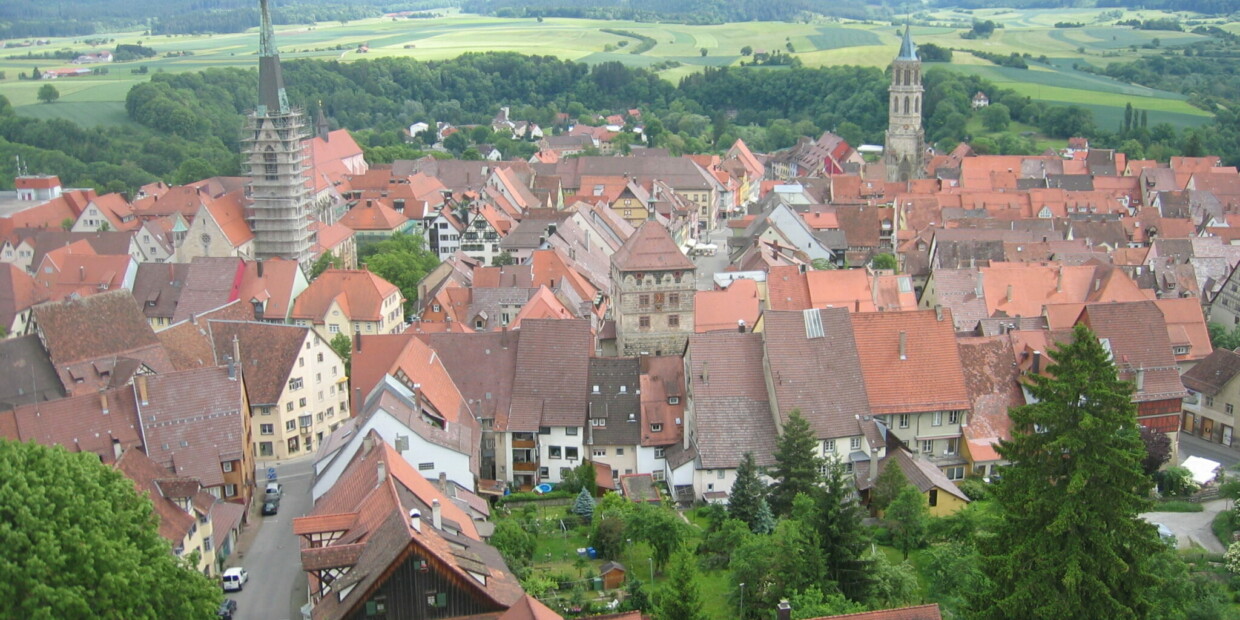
[[275, 157], [906, 141]]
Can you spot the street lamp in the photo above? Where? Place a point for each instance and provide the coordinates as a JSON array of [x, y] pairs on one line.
[[742, 614]]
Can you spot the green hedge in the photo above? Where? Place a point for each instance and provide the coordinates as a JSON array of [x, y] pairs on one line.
[[1223, 525], [1178, 505], [530, 496]]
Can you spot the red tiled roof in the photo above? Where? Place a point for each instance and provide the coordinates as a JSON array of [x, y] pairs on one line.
[[193, 422], [650, 248], [373, 214], [720, 310], [930, 356], [360, 294], [1137, 335], [551, 376], [269, 354]]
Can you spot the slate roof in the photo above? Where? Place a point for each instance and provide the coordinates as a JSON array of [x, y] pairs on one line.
[[1212, 374], [650, 248], [26, 373], [550, 385], [814, 367], [193, 422], [269, 354], [373, 515], [617, 401], [929, 378], [732, 411]]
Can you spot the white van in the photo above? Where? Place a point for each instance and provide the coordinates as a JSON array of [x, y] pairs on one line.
[[234, 578], [274, 492]]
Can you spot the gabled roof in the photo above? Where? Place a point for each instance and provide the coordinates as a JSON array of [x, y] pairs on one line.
[[726, 309], [542, 305], [157, 288], [26, 373], [549, 388], [101, 325], [274, 282], [210, 283], [1212, 374], [917, 612], [79, 423], [174, 521], [378, 536], [192, 421], [992, 378], [650, 248], [731, 407], [18, 292], [269, 354], [359, 293], [228, 211], [615, 399], [483, 366], [373, 214], [899, 350], [814, 367], [1137, 336], [662, 379]]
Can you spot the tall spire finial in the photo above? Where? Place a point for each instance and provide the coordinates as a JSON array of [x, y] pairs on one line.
[[271, 97], [908, 51]]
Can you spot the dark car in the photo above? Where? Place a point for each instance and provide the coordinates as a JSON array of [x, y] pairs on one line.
[[271, 507], [227, 609]]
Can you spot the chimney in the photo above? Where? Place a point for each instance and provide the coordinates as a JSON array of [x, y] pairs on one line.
[[436, 514], [368, 443], [1009, 293], [82, 272], [103, 401], [977, 288], [141, 381], [873, 464], [443, 482], [903, 345], [783, 611], [117, 449], [1037, 362], [740, 325], [357, 342], [1059, 280], [380, 473], [232, 369], [415, 520], [1140, 379], [260, 268], [938, 312], [236, 358]]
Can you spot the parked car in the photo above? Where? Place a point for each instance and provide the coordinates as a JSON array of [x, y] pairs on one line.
[[227, 609], [271, 507], [274, 491], [235, 578]]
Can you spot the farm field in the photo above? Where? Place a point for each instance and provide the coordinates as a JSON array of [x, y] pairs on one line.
[[95, 100]]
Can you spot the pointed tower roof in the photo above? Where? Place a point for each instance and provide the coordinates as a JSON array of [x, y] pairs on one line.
[[908, 51], [271, 96], [650, 248]]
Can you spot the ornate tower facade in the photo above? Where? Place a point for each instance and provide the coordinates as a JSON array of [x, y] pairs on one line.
[[906, 141], [652, 287], [276, 160]]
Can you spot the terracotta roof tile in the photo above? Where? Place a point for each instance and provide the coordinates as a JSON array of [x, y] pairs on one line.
[[549, 388], [650, 248], [269, 353], [992, 377], [482, 366], [1212, 374], [174, 522], [193, 422], [72, 330], [930, 354], [79, 423], [210, 283], [919, 612], [361, 294], [1137, 336], [724, 310], [373, 214]]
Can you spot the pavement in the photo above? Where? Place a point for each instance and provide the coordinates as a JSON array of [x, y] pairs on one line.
[[269, 551], [708, 266], [1195, 446], [1193, 527]]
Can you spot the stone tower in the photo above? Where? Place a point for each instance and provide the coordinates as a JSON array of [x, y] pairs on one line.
[[275, 156], [652, 286], [906, 141]]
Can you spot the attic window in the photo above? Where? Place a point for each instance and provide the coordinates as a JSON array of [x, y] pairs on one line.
[[673, 400], [656, 428], [595, 390], [1180, 350]]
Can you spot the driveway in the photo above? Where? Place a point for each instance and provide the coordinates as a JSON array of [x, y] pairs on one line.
[[277, 586], [1192, 527]]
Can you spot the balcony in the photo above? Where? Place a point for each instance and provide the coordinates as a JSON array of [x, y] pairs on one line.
[[523, 444], [525, 467]]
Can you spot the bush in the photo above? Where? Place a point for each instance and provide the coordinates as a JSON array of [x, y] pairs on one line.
[[1178, 505], [1175, 482], [976, 489], [530, 496], [1233, 558], [1223, 525], [882, 536]]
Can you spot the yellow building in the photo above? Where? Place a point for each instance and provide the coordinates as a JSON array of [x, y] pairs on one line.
[[183, 507], [349, 301]]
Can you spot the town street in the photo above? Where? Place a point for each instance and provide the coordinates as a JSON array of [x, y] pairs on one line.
[[277, 586]]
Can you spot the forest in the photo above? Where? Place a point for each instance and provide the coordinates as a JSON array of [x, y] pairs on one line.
[[188, 124]]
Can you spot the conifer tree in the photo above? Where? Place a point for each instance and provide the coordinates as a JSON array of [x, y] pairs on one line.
[[1070, 544], [680, 597], [748, 494], [909, 518], [584, 506], [887, 486], [797, 465], [844, 540]]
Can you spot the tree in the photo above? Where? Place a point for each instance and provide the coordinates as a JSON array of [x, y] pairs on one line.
[[703, 52], [1157, 450], [78, 541], [584, 505], [402, 260], [36, 74], [996, 117], [503, 258], [193, 169], [607, 537], [722, 541], [776, 566], [895, 585], [812, 603], [908, 516], [797, 464], [48, 93], [659, 527], [325, 261], [885, 261], [888, 485], [581, 477], [67, 223], [1070, 544], [456, 143], [515, 543], [748, 495], [679, 596], [747, 51], [842, 536]]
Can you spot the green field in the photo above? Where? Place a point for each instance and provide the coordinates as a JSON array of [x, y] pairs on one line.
[[95, 100]]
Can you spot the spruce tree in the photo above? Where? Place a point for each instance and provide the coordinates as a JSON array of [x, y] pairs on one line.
[[748, 493], [1070, 544], [584, 506], [909, 518], [679, 596], [844, 540], [798, 468], [887, 486]]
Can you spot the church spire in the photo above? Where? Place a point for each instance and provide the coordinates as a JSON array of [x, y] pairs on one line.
[[271, 96], [908, 51]]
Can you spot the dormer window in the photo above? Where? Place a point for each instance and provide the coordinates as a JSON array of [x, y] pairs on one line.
[[656, 428], [673, 400]]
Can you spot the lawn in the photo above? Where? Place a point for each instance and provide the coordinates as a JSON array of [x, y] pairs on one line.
[[816, 44]]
